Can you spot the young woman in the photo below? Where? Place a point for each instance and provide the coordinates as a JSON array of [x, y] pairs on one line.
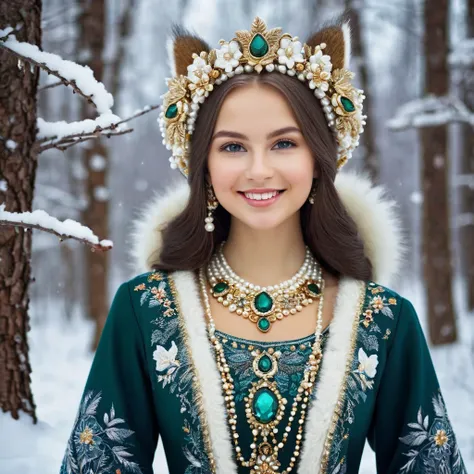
[[259, 339]]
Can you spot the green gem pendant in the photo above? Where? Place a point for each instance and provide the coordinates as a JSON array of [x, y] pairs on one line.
[[313, 290], [171, 111], [259, 46], [263, 324], [220, 288], [265, 364], [347, 104], [265, 405], [263, 303]]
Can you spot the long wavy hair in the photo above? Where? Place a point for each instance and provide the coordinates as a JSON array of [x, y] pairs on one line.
[[328, 230]]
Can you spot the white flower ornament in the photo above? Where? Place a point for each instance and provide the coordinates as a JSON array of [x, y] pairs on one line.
[[228, 56], [290, 52]]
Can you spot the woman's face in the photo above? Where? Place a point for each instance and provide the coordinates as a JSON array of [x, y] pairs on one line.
[[260, 166]]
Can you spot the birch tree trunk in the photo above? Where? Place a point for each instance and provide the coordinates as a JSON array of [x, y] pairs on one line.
[[96, 213], [18, 161], [437, 260]]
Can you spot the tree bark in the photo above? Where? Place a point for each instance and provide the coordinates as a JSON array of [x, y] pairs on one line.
[[95, 215], [437, 260], [18, 162], [467, 172], [360, 61]]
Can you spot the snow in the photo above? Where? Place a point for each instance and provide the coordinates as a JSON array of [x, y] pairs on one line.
[[63, 129], [60, 364], [67, 228], [101, 193], [81, 75], [463, 53], [3, 185], [11, 145], [98, 163]]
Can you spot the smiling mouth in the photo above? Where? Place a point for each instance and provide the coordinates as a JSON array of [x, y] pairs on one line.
[[262, 196]]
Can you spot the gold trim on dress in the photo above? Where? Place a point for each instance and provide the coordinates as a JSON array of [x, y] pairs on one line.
[[198, 397]]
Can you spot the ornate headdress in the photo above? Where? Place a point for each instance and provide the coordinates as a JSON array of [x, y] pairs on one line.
[[321, 62]]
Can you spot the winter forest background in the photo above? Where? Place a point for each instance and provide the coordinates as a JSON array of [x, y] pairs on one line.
[[414, 59]]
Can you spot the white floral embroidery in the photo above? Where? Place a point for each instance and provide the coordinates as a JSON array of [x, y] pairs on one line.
[[166, 361], [367, 368], [228, 56], [290, 52], [198, 74]]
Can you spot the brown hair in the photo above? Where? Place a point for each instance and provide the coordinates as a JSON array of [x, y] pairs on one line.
[[328, 230]]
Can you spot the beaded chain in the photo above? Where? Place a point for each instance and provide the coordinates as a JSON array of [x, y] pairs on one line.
[[264, 456], [264, 305]]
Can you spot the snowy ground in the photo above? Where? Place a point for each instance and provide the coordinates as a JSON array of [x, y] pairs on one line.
[[60, 363]]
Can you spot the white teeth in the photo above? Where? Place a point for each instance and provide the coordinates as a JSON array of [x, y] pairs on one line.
[[260, 196]]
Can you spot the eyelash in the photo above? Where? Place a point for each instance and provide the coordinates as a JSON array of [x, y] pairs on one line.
[[223, 147]]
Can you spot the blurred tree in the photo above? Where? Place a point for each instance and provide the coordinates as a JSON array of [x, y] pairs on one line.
[[18, 162], [360, 65], [96, 162], [467, 171], [436, 251]]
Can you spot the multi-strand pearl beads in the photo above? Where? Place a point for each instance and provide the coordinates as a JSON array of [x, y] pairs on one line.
[[264, 305], [263, 457]]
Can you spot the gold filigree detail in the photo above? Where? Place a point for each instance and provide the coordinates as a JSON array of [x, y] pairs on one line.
[[176, 90], [338, 410], [341, 82]]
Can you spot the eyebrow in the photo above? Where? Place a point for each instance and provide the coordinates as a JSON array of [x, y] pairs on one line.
[[275, 133]]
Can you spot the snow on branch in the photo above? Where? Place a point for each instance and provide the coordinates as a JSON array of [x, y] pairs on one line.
[[463, 54], [67, 229], [431, 111]]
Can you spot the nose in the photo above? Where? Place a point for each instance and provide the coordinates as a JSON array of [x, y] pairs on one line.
[[259, 167]]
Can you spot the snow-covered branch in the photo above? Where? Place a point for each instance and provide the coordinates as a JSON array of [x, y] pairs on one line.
[[431, 111], [67, 229]]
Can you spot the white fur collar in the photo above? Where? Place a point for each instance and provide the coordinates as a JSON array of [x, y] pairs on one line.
[[374, 214]]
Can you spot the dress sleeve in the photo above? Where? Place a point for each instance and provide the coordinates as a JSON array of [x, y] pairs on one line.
[[115, 430], [410, 430]]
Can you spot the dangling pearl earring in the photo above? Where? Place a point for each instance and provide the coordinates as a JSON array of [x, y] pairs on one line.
[[313, 192], [212, 204]]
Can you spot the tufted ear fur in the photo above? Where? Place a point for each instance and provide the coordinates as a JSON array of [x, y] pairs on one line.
[[181, 47], [338, 43]]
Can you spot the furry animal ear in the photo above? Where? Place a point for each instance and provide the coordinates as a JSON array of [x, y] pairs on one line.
[[181, 47], [338, 43]]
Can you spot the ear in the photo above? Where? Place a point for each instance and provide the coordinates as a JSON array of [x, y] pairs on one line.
[[181, 47], [338, 43]]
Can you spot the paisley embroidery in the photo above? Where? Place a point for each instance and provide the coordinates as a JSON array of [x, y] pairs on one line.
[[433, 445], [94, 447]]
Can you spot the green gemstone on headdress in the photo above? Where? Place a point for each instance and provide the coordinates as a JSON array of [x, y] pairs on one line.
[[347, 104], [263, 324], [171, 111], [314, 289], [265, 405], [220, 287], [265, 364], [263, 302], [259, 46]]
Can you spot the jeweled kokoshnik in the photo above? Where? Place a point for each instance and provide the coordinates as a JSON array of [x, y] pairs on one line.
[[262, 50]]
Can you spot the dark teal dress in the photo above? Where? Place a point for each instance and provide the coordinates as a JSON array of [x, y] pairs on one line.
[[153, 376]]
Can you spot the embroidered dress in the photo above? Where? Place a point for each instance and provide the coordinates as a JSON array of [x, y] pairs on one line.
[[154, 375]]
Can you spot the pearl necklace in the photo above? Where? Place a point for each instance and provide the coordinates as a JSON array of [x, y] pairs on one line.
[[264, 305], [264, 456]]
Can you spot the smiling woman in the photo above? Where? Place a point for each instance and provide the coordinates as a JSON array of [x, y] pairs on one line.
[[256, 341]]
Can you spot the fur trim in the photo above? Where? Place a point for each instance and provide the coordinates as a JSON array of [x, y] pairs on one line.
[[206, 370], [374, 213], [346, 32], [338, 350]]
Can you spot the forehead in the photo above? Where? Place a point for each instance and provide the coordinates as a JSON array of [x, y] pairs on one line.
[[257, 108]]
